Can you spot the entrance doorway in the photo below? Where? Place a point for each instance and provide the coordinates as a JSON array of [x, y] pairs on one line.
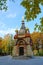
[[21, 51]]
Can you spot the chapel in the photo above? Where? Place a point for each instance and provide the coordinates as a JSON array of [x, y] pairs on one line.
[[23, 42]]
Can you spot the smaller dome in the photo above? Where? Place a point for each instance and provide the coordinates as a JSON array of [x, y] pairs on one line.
[[21, 31]]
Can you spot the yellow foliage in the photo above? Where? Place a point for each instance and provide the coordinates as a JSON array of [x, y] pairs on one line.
[[35, 36], [35, 52]]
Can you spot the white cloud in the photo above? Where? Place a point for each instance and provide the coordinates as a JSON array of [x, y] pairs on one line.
[[10, 31], [11, 15]]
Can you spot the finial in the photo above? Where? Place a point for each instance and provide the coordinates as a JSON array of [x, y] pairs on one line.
[[22, 18]]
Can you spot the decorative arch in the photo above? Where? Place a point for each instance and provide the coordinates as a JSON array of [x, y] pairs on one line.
[[21, 41]]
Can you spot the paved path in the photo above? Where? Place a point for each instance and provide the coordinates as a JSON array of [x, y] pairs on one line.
[[8, 60], [22, 57]]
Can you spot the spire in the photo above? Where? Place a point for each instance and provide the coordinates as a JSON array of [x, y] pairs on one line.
[[23, 19], [23, 24]]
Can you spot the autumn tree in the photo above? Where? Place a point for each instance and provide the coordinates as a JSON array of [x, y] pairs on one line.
[[8, 43], [32, 10], [37, 39], [1, 45], [35, 36]]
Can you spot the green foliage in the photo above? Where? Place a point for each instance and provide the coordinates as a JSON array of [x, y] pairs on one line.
[[32, 8], [3, 5], [39, 27], [41, 52]]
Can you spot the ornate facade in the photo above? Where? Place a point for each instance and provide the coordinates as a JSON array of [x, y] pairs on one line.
[[22, 45]]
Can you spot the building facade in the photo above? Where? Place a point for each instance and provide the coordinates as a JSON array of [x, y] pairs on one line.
[[23, 43]]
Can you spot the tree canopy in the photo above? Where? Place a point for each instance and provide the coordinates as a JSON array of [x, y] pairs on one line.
[[32, 10], [39, 27], [3, 4]]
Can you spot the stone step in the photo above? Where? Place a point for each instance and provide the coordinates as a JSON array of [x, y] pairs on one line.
[[22, 57]]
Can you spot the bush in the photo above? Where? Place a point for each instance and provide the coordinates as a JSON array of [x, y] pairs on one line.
[[40, 52], [35, 52]]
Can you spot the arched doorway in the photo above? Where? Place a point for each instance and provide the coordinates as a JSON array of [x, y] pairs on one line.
[[21, 47], [21, 51]]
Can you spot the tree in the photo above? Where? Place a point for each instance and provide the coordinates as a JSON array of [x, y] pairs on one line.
[[32, 10], [3, 4], [35, 36], [7, 44], [37, 39], [0, 42], [39, 27], [1, 45]]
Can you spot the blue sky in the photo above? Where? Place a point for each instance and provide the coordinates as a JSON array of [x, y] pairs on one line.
[[11, 19]]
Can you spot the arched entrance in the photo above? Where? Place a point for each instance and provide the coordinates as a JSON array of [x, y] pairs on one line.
[[21, 47], [21, 51]]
